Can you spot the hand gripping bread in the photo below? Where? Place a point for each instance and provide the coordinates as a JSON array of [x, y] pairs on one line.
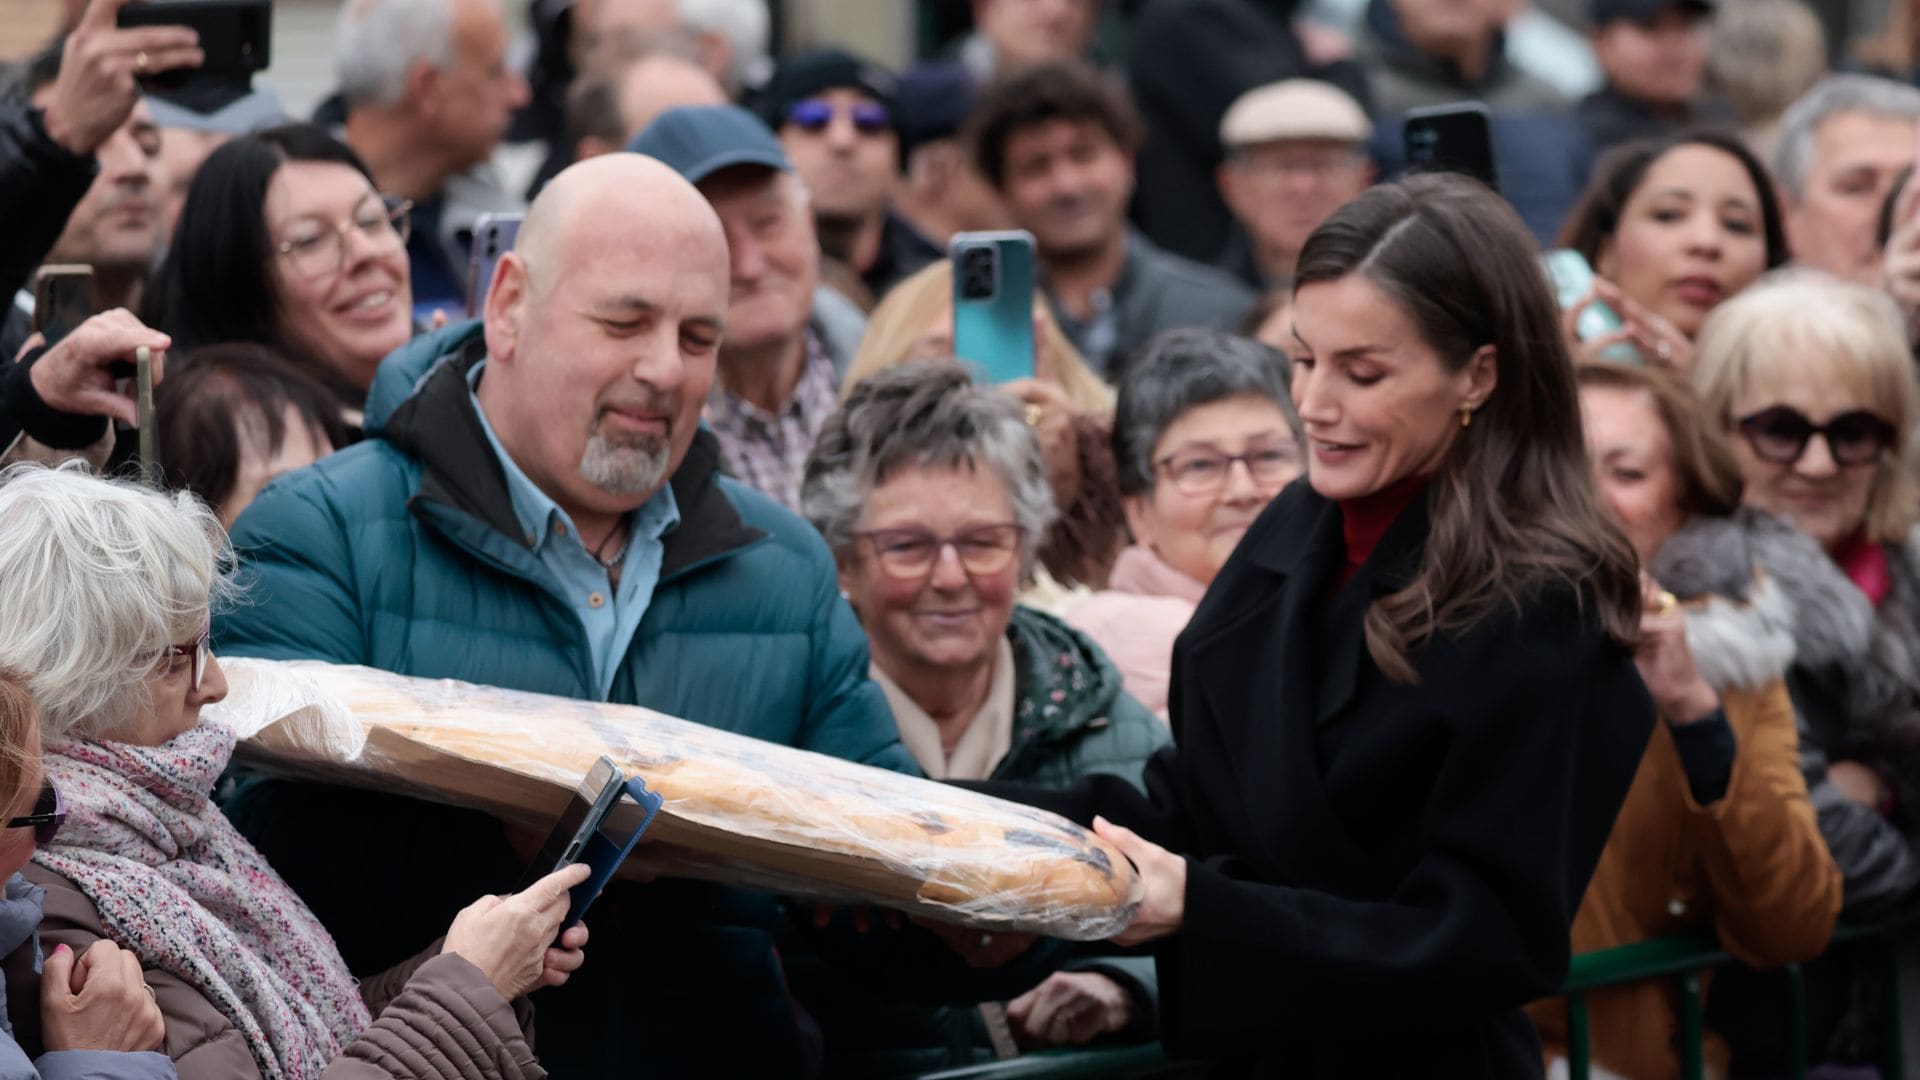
[[737, 810]]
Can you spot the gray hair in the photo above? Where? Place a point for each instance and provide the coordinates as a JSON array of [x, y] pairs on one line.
[[746, 26], [1793, 155], [100, 576], [378, 41], [927, 413], [1185, 369]]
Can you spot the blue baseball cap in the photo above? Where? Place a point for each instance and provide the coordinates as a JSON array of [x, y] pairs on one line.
[[697, 141]]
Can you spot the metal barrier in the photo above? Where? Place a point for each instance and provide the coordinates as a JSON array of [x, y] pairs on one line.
[[1679, 958]]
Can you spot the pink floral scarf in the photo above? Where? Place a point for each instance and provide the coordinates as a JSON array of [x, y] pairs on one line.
[[174, 882]]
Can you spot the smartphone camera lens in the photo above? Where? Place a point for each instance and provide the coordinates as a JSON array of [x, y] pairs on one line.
[[977, 273]]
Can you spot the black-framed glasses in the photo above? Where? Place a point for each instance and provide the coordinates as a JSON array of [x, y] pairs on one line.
[[1205, 472], [815, 114], [911, 554], [1779, 435], [196, 653], [320, 248], [49, 813]]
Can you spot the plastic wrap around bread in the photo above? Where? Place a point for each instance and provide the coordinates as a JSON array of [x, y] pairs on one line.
[[738, 810]]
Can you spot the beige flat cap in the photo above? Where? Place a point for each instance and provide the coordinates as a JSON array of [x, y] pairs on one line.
[[1294, 109]]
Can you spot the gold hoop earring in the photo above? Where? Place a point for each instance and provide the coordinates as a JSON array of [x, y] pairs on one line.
[[1466, 416]]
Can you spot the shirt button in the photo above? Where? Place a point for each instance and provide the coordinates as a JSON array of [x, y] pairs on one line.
[[559, 528], [532, 538], [594, 600]]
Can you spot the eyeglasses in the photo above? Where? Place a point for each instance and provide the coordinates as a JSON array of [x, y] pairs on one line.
[[1316, 164], [1779, 435], [911, 554], [49, 813], [1204, 472], [321, 248], [814, 114], [196, 652]]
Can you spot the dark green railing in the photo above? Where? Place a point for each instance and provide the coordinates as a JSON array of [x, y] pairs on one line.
[[1682, 959]]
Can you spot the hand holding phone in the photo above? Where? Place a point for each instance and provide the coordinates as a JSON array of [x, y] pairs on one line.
[[78, 374], [234, 41], [511, 940], [1589, 316], [92, 96]]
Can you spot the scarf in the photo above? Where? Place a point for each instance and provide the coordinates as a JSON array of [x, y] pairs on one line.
[[178, 885], [1145, 573]]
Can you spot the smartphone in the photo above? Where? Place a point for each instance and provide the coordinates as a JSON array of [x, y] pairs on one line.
[[62, 299], [493, 236], [1567, 269], [235, 36], [610, 844], [993, 283], [143, 408], [1452, 138], [586, 809]]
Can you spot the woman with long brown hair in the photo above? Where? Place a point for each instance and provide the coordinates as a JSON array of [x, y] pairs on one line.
[[1407, 711]]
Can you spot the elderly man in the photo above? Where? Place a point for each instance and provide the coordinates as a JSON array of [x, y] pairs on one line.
[[788, 340], [1841, 146], [429, 96], [1296, 152], [537, 507], [1057, 142], [837, 118]]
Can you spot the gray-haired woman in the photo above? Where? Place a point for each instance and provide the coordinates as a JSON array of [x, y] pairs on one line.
[[1204, 437], [933, 495], [109, 587]]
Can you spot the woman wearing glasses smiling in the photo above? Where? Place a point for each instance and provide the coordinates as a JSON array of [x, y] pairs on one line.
[[932, 493], [285, 242], [1204, 436], [109, 587], [1813, 379]]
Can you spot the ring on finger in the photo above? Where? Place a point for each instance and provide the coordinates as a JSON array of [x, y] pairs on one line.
[[148, 987], [1664, 350], [1034, 413], [140, 61]]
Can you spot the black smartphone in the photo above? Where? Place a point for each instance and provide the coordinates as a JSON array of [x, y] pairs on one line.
[[493, 236], [585, 810], [235, 37], [62, 299], [1452, 138]]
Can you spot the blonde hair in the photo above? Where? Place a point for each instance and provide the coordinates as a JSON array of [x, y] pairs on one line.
[[17, 719], [896, 327], [1794, 318]]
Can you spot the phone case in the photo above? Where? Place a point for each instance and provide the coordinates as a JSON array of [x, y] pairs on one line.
[[493, 236], [1572, 277], [603, 855], [995, 332]]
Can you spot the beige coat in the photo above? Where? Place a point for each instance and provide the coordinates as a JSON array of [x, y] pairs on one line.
[[435, 1016]]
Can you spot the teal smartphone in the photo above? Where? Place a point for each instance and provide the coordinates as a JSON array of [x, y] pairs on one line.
[[993, 283], [1572, 277]]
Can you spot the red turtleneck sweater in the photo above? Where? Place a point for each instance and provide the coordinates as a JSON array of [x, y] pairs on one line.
[[1865, 564], [1363, 521]]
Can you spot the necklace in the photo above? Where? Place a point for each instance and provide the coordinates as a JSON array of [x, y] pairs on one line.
[[600, 553]]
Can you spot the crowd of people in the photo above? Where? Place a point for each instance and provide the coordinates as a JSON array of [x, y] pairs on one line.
[[1411, 616]]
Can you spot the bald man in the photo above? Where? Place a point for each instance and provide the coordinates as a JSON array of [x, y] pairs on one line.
[[537, 507]]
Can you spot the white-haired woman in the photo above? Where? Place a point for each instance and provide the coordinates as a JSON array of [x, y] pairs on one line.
[[932, 493], [109, 588]]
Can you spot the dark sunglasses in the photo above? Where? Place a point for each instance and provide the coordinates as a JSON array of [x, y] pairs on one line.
[[49, 813], [814, 114], [1779, 435]]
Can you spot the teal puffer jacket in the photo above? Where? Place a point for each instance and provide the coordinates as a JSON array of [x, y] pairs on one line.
[[402, 553]]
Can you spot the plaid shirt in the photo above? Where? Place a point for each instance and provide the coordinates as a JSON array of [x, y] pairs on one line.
[[769, 450]]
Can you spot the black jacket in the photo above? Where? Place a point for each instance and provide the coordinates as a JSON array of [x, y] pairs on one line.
[[1611, 118], [1378, 875], [40, 184]]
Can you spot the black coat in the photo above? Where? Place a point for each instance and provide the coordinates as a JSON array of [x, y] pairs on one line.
[[1378, 875]]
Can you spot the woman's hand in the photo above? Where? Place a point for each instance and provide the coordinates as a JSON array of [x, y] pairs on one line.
[[1072, 1008], [1660, 342], [1665, 663], [1163, 909], [1052, 415], [102, 1002], [1900, 269], [511, 938]]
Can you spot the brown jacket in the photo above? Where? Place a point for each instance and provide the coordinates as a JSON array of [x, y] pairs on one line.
[[435, 1016], [1752, 866]]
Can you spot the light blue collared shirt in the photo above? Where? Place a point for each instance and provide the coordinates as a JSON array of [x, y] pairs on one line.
[[609, 614]]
